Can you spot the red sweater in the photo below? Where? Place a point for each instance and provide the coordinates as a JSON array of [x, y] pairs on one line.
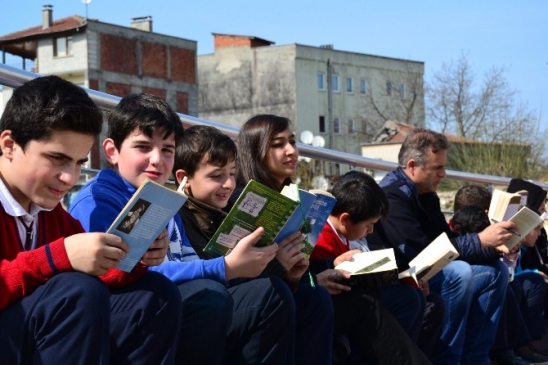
[[22, 271], [329, 244]]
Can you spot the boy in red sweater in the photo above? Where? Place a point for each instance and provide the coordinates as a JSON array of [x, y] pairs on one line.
[[61, 297]]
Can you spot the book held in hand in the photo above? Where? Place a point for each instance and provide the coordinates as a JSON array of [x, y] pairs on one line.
[[378, 268], [526, 220], [309, 217], [504, 204], [371, 269], [143, 218], [438, 254], [257, 206]]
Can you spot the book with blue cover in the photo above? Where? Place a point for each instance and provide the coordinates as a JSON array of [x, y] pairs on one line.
[[309, 217], [143, 218]]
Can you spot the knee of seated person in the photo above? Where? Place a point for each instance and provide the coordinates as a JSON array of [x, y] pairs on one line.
[[80, 292], [459, 270], [163, 288], [206, 293], [273, 285]]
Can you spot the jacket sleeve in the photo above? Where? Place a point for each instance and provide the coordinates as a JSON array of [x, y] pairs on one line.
[[404, 230], [181, 272]]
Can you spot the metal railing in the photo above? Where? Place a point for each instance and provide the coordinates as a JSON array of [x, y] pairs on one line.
[[13, 77]]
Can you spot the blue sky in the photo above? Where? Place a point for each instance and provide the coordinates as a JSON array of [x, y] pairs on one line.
[[503, 33]]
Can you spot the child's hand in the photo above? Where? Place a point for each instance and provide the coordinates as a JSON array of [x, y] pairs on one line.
[[156, 253], [347, 256], [246, 260], [95, 253], [329, 279], [289, 251], [299, 268]]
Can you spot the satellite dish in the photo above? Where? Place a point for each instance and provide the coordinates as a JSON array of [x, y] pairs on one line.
[[318, 141], [86, 1], [306, 137]]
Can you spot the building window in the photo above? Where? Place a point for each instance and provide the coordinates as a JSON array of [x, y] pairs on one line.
[[336, 126], [322, 124], [335, 83], [388, 88], [363, 87], [321, 81], [62, 46], [351, 128], [402, 91], [349, 85], [364, 127]]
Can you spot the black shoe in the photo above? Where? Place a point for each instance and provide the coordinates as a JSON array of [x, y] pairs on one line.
[[529, 353], [510, 360], [341, 350]]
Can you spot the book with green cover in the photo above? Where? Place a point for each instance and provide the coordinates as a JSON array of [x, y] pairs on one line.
[[257, 206]]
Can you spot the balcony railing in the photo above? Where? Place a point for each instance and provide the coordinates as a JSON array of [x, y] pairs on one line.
[[13, 77]]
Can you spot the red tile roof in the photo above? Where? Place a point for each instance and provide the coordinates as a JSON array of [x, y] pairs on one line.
[[60, 25], [394, 132]]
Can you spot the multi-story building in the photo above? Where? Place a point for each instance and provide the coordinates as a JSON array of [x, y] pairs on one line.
[[111, 58], [342, 96]]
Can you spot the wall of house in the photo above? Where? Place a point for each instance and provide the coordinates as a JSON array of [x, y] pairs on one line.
[[125, 60], [71, 67]]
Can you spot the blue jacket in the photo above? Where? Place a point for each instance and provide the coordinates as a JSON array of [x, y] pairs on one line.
[[97, 205], [416, 219]]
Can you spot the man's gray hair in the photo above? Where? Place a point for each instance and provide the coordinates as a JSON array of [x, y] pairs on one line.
[[417, 144]]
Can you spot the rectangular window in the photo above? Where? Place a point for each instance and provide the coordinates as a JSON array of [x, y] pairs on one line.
[[388, 88], [351, 129], [321, 81], [364, 126], [336, 126], [62, 46], [335, 83], [322, 124], [402, 91], [363, 87], [349, 85]]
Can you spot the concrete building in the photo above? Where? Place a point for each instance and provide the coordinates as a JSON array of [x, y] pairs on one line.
[[343, 96], [111, 58]]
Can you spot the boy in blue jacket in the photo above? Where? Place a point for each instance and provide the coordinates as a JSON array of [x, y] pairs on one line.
[[249, 323]]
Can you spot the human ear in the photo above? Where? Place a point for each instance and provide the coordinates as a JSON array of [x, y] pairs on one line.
[[7, 144], [110, 151], [180, 175]]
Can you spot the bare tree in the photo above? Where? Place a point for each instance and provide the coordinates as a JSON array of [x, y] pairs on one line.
[[500, 134]]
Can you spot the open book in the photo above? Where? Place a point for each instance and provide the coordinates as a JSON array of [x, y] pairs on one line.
[[438, 254], [257, 206], [504, 205], [309, 217], [143, 218], [372, 269], [426, 264], [526, 220]]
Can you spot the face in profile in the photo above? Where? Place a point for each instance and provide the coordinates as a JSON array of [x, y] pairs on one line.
[[212, 184], [428, 178], [281, 158]]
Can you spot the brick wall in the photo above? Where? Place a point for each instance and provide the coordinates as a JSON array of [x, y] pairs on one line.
[[154, 58], [119, 54], [183, 65], [182, 102], [118, 89], [156, 92]]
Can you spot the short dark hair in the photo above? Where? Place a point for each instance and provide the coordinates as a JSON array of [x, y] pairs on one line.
[[359, 195], [253, 144], [417, 144], [471, 219], [145, 112], [46, 104], [199, 141], [472, 195]]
